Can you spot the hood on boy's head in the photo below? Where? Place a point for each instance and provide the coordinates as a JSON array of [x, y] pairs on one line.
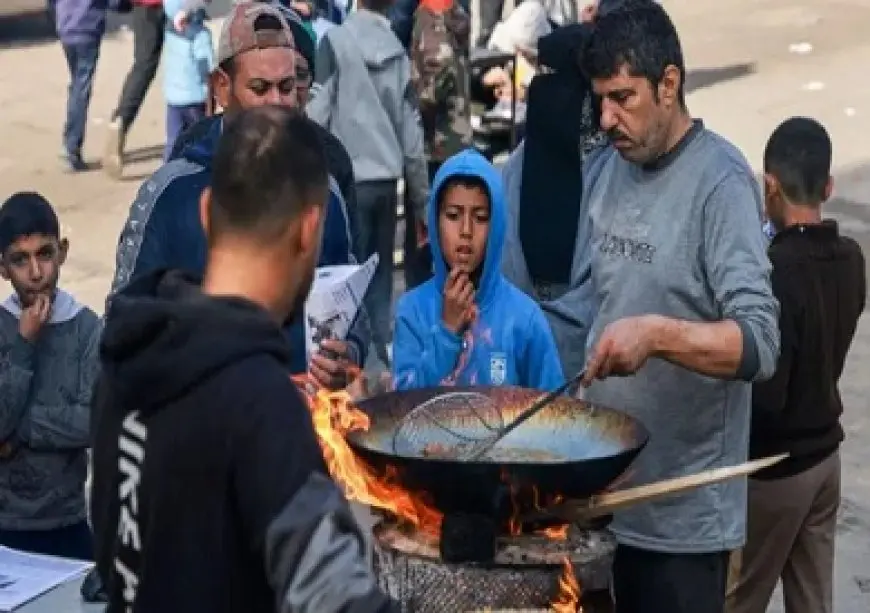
[[381, 44], [470, 163]]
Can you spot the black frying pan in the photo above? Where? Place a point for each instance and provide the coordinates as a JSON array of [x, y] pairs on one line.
[[571, 448]]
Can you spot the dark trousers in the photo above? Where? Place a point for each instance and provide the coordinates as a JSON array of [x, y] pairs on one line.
[[652, 582], [81, 59], [417, 260], [376, 203], [73, 541], [148, 23], [179, 119]]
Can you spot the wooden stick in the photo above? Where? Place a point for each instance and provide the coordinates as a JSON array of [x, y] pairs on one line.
[[607, 503]]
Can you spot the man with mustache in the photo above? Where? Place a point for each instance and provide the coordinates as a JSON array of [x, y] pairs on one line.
[[686, 319]]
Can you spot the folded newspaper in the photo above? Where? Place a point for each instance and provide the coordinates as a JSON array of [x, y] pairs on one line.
[[25, 576], [334, 301]]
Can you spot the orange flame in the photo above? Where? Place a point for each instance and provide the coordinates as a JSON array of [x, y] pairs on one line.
[[334, 415], [515, 527], [568, 598]]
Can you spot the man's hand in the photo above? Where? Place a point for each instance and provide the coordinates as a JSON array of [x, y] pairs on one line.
[[623, 348], [458, 308], [330, 366], [34, 317]]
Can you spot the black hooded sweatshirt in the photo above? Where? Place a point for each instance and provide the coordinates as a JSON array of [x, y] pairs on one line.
[[210, 491]]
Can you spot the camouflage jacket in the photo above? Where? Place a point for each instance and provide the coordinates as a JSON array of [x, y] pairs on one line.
[[440, 72]]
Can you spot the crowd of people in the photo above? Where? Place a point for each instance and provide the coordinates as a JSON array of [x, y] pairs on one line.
[[623, 240]]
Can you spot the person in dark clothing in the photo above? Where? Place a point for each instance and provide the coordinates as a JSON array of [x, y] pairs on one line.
[[149, 24], [163, 229], [819, 279], [80, 26], [194, 409]]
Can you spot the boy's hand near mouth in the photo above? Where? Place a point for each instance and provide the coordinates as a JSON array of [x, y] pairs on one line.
[[34, 317], [458, 308]]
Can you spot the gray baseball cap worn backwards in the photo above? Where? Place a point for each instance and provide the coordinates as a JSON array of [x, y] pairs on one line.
[[244, 30]]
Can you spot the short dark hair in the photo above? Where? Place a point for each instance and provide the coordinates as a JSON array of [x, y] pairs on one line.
[[26, 214], [467, 181], [640, 36], [269, 166], [798, 154]]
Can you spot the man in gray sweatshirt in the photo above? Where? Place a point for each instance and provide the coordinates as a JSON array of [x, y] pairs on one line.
[[686, 317], [363, 94]]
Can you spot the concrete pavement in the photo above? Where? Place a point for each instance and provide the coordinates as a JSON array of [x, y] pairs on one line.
[[751, 65]]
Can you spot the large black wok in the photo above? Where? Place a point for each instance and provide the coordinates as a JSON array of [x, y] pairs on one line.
[[593, 445]]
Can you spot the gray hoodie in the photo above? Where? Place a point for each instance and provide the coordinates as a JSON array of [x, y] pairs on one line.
[[45, 398], [363, 94]]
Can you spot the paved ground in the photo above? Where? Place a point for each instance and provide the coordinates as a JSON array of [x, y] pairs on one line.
[[752, 64]]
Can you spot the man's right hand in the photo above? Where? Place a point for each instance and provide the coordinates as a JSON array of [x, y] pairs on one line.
[[458, 308], [34, 317]]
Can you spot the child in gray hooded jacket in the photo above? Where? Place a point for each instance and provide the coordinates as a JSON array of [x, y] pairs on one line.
[[48, 363]]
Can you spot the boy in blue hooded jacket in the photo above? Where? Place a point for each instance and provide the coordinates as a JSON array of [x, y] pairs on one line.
[[468, 325]]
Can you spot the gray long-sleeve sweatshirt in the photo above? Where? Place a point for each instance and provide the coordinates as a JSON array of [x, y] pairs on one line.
[[364, 96], [45, 398], [684, 240]]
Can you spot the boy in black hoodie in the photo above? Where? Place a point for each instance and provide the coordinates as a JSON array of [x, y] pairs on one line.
[[210, 491], [819, 280]]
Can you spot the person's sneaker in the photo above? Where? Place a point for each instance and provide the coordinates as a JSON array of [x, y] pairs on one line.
[[74, 162], [113, 158]]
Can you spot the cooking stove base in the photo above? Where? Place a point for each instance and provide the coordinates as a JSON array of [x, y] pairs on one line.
[[523, 577]]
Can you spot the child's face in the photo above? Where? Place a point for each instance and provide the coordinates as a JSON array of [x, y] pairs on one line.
[[32, 265], [463, 227]]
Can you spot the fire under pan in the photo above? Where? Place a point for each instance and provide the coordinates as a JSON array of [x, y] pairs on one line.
[[523, 577]]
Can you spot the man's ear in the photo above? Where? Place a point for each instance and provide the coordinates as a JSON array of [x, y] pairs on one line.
[[829, 189], [221, 84], [771, 185], [62, 251], [310, 228], [205, 210], [669, 86]]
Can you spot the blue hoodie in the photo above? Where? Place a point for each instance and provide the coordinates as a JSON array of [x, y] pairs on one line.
[[188, 58], [509, 344], [163, 231]]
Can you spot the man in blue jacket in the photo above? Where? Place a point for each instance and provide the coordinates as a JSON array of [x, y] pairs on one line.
[[257, 67]]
